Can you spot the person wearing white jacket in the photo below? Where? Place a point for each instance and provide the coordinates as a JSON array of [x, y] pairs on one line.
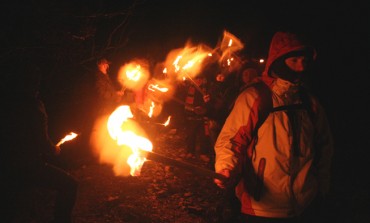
[[276, 144]]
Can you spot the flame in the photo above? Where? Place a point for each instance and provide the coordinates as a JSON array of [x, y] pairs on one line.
[[153, 87], [168, 121], [134, 74], [68, 137], [117, 140], [128, 138], [229, 45], [151, 109], [187, 61], [158, 92], [230, 42]]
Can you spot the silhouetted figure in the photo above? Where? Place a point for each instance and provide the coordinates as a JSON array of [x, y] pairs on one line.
[[197, 137], [27, 153], [107, 96]]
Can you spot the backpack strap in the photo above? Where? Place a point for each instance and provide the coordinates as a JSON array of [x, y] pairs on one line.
[[293, 119], [264, 109]]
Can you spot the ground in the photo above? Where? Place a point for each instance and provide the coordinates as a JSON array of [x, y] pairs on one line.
[[161, 193], [167, 193]]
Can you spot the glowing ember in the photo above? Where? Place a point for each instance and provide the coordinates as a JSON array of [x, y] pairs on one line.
[[68, 137], [128, 138]]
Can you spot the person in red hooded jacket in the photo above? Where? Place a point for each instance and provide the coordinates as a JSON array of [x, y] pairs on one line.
[[279, 163]]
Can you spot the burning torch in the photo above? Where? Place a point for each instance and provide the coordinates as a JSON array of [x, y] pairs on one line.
[[68, 137], [141, 147]]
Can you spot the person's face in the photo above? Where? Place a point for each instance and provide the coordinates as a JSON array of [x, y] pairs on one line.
[[297, 64], [104, 67]]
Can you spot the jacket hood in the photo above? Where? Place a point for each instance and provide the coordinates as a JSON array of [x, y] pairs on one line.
[[284, 43]]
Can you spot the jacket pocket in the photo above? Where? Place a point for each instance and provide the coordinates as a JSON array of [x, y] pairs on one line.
[[254, 181]]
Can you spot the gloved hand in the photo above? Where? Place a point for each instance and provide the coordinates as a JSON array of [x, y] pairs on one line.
[[223, 183], [57, 150]]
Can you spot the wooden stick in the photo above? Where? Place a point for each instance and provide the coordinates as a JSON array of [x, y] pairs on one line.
[[188, 166]]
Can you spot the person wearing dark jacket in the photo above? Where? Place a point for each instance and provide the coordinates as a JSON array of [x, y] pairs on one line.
[[197, 140], [280, 162], [28, 153], [108, 97]]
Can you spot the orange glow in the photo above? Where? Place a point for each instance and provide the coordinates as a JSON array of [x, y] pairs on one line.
[[168, 121], [134, 74], [229, 45], [151, 108], [153, 87], [118, 140], [68, 137], [187, 61], [128, 138]]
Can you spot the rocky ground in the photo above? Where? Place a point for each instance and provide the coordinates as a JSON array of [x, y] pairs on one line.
[[166, 193], [162, 193]]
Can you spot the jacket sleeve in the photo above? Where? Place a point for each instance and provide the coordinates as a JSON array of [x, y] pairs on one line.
[[236, 132]]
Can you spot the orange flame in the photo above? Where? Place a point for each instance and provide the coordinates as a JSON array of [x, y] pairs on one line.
[[134, 74], [229, 45], [128, 138], [68, 137], [187, 60], [168, 121], [151, 109], [153, 87]]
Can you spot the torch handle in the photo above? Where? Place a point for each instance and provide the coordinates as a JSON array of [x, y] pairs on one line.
[[195, 84], [193, 168]]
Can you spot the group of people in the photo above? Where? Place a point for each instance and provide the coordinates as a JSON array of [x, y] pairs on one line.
[[268, 132], [207, 100], [269, 137]]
